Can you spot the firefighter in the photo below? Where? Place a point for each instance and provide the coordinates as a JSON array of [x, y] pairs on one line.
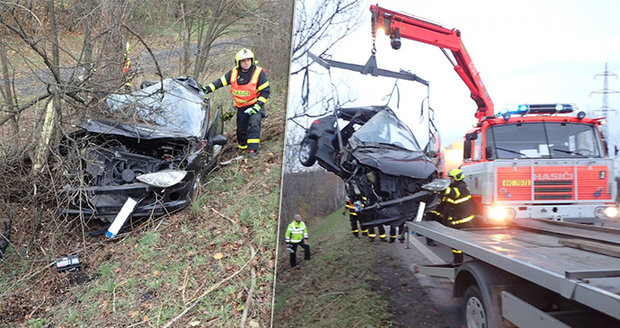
[[456, 208], [297, 235], [355, 230], [354, 219], [127, 73], [250, 90]]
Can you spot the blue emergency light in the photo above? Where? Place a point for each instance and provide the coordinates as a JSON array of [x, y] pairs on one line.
[[523, 109]]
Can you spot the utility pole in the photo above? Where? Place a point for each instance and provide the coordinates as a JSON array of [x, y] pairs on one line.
[[611, 145]]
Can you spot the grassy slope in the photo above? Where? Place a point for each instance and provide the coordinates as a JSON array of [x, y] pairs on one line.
[[150, 275], [318, 293]]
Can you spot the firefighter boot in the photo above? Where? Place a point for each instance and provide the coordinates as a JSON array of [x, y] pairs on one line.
[[392, 239], [430, 242], [356, 233], [457, 257]]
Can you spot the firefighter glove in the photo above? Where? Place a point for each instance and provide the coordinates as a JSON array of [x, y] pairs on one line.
[[289, 249], [253, 110], [206, 90], [228, 116]]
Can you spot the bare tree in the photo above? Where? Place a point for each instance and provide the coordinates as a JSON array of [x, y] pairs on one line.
[[204, 22], [318, 26]]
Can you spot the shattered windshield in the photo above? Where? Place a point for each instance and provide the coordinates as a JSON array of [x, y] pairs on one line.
[[177, 108], [386, 129], [543, 140]]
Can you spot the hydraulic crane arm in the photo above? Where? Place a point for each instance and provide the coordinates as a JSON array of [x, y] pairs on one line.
[[398, 25]]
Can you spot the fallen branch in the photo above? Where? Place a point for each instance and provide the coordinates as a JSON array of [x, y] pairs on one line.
[[22, 108], [244, 315], [224, 216], [207, 292]]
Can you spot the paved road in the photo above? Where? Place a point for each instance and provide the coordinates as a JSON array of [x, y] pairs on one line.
[[445, 311]]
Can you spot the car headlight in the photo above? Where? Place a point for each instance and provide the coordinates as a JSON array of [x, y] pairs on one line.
[[162, 179], [437, 185]]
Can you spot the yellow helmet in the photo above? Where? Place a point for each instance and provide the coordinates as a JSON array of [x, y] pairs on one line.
[[244, 53], [457, 174]]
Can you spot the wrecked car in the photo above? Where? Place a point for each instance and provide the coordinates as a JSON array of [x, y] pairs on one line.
[[161, 141], [378, 158]]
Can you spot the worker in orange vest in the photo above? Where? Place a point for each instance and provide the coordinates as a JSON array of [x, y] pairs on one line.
[[250, 90]]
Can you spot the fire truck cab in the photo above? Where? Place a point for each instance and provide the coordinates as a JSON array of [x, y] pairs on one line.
[[540, 161]]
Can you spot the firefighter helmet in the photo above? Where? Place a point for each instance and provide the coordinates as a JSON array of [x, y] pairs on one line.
[[457, 174], [244, 53]]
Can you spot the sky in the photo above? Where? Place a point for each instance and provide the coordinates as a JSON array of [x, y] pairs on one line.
[[526, 52]]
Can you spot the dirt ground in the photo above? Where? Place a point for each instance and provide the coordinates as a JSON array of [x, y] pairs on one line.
[[417, 300]]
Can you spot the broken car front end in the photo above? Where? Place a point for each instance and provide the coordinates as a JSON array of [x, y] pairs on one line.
[[157, 161]]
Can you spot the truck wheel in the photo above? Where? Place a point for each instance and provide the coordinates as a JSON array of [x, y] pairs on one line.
[[475, 311], [307, 152]]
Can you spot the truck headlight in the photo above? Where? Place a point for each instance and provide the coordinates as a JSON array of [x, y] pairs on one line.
[[611, 212], [501, 213], [162, 179]]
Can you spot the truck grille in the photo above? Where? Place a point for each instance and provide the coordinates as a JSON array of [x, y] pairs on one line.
[[549, 190], [544, 181]]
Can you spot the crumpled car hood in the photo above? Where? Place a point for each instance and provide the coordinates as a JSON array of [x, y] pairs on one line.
[[395, 162], [103, 126]]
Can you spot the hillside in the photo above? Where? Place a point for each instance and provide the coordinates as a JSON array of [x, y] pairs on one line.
[[161, 268]]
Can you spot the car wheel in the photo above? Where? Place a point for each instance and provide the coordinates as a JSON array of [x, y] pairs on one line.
[[475, 311], [307, 152]]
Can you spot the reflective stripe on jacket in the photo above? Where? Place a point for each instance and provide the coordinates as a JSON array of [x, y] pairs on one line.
[[459, 205], [245, 94], [295, 232]]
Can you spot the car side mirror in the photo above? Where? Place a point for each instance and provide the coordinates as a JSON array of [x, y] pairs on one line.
[[219, 140]]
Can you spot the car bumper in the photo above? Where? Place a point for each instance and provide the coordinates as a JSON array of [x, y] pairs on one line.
[[105, 202]]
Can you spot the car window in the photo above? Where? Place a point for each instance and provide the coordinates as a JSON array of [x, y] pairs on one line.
[[177, 108], [386, 128]]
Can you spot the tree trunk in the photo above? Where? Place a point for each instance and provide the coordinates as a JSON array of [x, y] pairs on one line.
[[6, 90]]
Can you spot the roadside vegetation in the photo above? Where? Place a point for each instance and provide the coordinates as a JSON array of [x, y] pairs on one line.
[[338, 287], [209, 265]]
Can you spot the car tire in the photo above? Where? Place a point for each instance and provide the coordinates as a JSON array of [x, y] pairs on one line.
[[307, 152], [474, 310]]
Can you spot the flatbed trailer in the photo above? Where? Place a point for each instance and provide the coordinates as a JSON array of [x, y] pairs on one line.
[[535, 273]]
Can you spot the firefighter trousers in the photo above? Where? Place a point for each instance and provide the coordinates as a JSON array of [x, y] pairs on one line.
[[401, 232], [354, 228], [306, 248], [248, 128], [372, 234]]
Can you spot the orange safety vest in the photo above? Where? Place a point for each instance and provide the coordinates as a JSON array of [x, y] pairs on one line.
[[246, 94]]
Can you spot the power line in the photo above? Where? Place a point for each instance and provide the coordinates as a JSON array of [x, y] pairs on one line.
[[605, 109]]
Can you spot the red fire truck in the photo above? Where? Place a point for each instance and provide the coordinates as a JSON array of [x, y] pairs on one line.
[[528, 161]]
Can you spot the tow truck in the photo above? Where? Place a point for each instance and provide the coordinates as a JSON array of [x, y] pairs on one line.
[[529, 160], [534, 171]]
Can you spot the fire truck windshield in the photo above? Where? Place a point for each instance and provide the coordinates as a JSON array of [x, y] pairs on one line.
[[542, 140]]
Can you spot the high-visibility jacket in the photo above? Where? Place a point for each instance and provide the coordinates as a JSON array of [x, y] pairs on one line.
[[295, 232], [245, 94], [241, 78], [458, 205]]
